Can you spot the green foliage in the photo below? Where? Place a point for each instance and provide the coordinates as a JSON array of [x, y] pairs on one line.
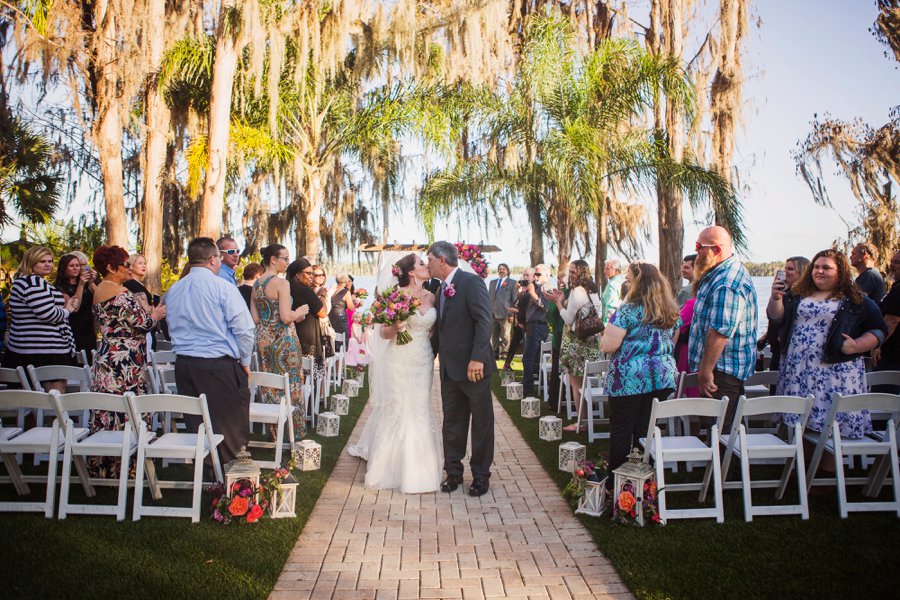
[[29, 186], [65, 236], [766, 269]]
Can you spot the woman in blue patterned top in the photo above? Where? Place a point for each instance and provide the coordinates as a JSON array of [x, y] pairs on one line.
[[640, 337]]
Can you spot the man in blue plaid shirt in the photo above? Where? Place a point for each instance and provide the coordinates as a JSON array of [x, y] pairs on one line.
[[722, 342]]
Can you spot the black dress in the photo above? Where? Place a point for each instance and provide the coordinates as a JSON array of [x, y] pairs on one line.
[[338, 314], [82, 320], [136, 287], [308, 329]]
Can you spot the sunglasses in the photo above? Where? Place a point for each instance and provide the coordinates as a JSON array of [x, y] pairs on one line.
[[319, 274], [232, 252], [125, 264], [698, 246]]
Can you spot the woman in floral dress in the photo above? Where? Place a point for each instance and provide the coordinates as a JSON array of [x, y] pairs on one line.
[[277, 341], [827, 325], [124, 320]]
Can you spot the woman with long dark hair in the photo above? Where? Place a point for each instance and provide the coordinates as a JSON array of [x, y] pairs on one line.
[[74, 279], [827, 326]]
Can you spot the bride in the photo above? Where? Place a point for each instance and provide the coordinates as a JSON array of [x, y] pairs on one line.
[[399, 440]]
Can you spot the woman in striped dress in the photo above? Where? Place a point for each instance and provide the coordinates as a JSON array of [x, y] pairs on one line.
[[39, 331]]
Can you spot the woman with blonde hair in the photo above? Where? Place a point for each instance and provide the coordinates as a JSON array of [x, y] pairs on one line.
[[640, 337], [39, 330], [575, 351]]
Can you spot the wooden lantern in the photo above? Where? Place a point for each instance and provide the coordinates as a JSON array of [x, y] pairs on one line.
[[630, 478], [514, 391], [285, 499], [593, 502], [242, 468], [350, 388], [340, 404], [507, 377]]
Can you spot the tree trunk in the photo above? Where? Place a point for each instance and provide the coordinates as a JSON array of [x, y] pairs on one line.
[[315, 199], [224, 70], [175, 204], [108, 127], [533, 206], [601, 240], [158, 121], [256, 217], [670, 224], [725, 92]]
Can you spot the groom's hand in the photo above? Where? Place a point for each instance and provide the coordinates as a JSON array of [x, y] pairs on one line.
[[475, 371]]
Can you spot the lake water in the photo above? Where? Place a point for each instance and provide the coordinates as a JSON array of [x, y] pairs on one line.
[[763, 287]]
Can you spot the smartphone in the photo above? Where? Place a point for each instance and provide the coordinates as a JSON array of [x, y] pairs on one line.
[[780, 275], [86, 268]]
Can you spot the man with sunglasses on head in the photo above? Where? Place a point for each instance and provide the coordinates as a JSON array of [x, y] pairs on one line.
[[231, 257], [722, 343]]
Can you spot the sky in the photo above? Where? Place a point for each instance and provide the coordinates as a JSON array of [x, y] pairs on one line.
[[806, 57]]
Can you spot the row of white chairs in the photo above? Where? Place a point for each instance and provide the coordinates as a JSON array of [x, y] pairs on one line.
[[135, 439]]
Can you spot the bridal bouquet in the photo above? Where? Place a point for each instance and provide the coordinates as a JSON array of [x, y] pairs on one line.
[[393, 306]]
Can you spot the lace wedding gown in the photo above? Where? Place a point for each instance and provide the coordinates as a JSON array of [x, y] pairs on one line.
[[400, 439]]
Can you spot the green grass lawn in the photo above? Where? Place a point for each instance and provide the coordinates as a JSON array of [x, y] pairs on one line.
[[97, 557], [771, 557]]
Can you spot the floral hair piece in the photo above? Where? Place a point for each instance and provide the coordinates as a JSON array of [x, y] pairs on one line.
[[395, 270]]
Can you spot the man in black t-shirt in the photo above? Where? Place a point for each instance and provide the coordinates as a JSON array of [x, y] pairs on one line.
[[887, 357], [869, 281]]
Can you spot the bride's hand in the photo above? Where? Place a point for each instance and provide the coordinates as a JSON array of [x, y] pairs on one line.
[[401, 326]]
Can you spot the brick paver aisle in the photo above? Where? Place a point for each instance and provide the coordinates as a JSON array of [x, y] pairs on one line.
[[520, 540]]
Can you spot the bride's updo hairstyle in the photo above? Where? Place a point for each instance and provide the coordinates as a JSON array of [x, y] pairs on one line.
[[270, 252], [406, 266]]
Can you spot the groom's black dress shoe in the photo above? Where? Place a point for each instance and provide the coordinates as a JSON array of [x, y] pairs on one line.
[[479, 487], [451, 483]]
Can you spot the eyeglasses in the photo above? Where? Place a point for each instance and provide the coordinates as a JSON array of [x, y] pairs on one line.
[[698, 246], [283, 257], [233, 251], [319, 274]]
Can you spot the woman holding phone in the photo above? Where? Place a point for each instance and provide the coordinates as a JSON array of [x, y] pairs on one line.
[[794, 268]]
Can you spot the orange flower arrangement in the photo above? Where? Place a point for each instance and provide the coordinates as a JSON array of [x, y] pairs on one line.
[[245, 503], [626, 501], [239, 506]]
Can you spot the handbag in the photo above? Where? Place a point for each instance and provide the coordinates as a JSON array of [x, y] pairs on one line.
[[587, 321]]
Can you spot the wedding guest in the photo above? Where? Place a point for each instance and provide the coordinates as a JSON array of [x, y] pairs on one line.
[[887, 357], [519, 312], [640, 339], [124, 319], [278, 346], [827, 325], [213, 336], [39, 330], [231, 258], [357, 354], [536, 327], [136, 286], [793, 269], [75, 281], [557, 326], [251, 273], [682, 352], [612, 293], [687, 272], [341, 302], [575, 351], [502, 295], [309, 330], [870, 282]]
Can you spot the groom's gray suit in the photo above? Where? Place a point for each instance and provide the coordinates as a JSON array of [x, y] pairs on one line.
[[464, 334]]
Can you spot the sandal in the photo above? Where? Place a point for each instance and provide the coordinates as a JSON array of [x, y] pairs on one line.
[[575, 428]]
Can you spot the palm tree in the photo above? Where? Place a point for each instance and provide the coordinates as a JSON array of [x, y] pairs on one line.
[[29, 185]]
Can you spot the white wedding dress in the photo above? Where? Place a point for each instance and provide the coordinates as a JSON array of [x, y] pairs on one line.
[[400, 440]]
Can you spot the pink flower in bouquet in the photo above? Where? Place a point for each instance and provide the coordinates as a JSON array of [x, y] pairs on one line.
[[393, 306]]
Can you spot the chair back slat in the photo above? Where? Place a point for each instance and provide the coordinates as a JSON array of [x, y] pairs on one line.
[[270, 380], [15, 399], [80, 401], [151, 403], [56, 372], [798, 405], [14, 376], [161, 357], [873, 401], [762, 378], [686, 380], [882, 378], [594, 368], [684, 407]]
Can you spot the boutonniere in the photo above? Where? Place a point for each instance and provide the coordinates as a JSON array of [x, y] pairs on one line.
[[503, 284], [450, 291]]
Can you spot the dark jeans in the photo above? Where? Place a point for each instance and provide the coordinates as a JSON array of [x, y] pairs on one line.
[[517, 334], [731, 386], [629, 420], [535, 334], [224, 382]]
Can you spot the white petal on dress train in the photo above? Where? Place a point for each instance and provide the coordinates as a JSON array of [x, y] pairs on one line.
[[400, 439]]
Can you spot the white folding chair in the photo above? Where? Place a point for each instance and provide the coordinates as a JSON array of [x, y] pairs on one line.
[[340, 356], [15, 379], [162, 345], [593, 397], [195, 446], [686, 448], [44, 440], [760, 384], [882, 378], [565, 395], [886, 448], [311, 390], [78, 379], [81, 358], [545, 365], [120, 444], [753, 448], [278, 414]]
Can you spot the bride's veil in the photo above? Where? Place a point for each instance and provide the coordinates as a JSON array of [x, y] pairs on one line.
[[379, 369]]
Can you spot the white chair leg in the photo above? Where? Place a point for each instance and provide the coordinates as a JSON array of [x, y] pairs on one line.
[[139, 479], [198, 480], [66, 472], [660, 479], [123, 472], [801, 480], [279, 438], [745, 477], [51, 471], [839, 471], [717, 476]]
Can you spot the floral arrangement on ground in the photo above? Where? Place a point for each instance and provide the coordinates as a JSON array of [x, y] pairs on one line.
[[628, 502], [586, 471], [244, 503], [472, 255]]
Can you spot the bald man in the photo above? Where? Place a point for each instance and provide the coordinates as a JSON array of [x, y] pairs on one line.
[[722, 344]]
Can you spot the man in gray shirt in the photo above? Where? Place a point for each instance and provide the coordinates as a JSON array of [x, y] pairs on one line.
[[536, 328]]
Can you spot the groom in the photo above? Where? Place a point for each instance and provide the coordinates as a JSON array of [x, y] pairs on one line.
[[464, 347]]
